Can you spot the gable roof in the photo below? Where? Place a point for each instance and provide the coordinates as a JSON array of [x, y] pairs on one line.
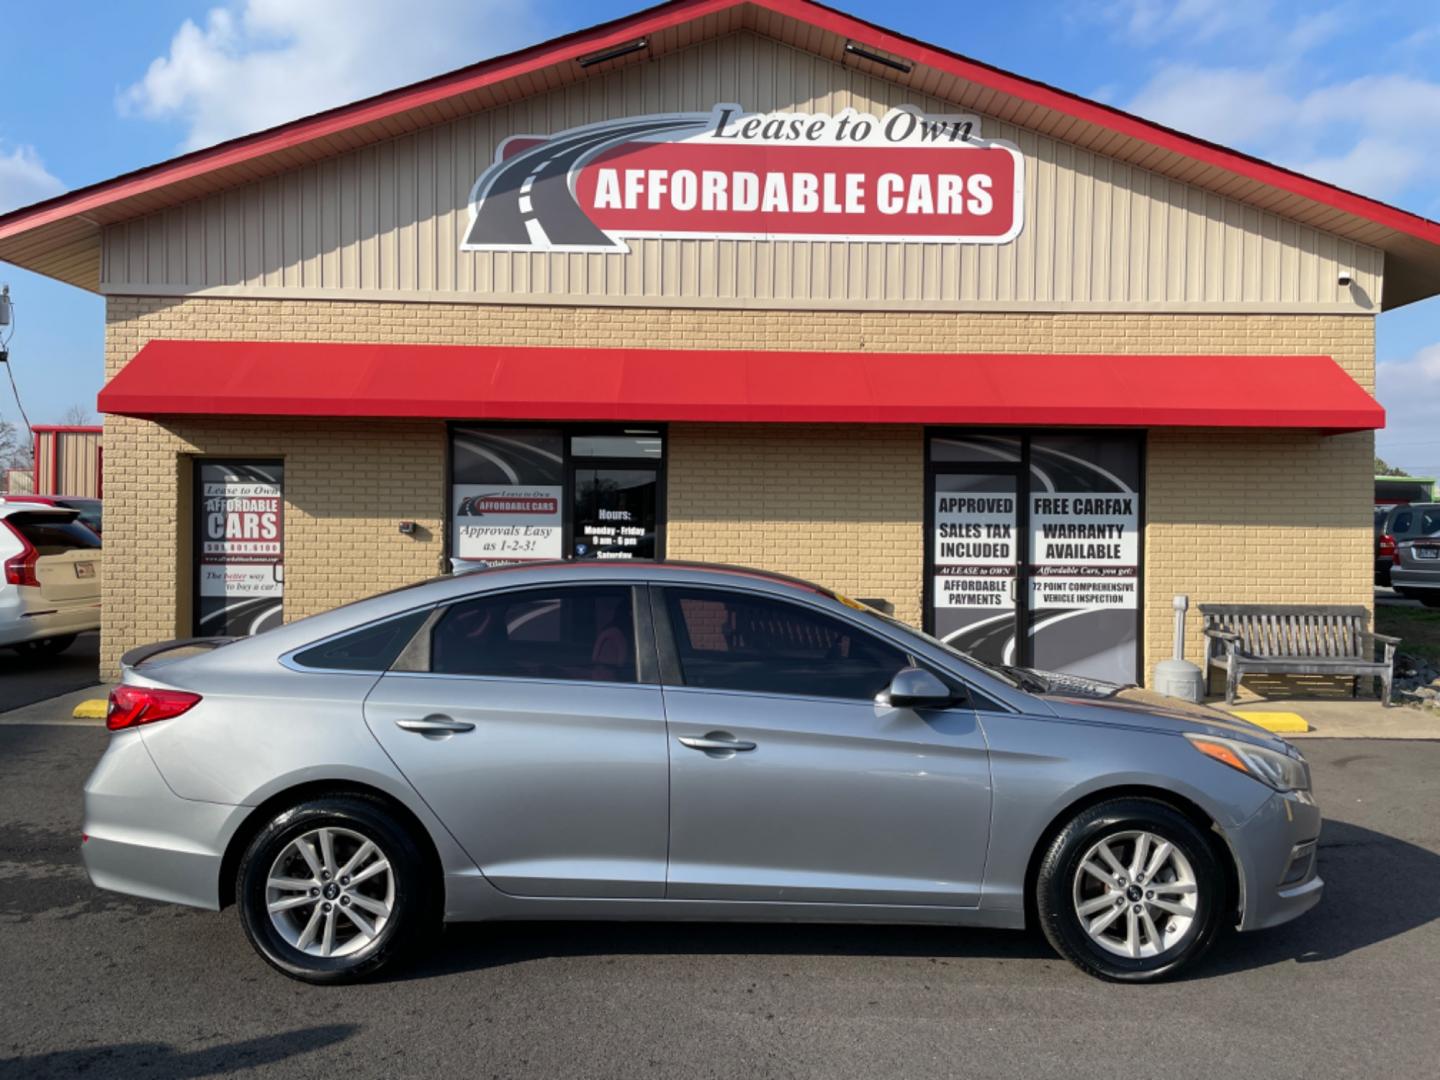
[[61, 236]]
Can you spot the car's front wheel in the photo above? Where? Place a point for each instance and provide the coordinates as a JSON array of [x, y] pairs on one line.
[[1131, 890], [334, 889]]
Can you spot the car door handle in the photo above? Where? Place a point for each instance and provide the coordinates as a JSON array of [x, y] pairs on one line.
[[435, 724], [710, 742]]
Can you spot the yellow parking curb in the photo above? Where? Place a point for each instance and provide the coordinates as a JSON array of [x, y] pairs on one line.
[[94, 709], [1281, 722]]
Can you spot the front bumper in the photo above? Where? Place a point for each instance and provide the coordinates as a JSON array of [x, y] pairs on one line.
[[1275, 851], [143, 839]]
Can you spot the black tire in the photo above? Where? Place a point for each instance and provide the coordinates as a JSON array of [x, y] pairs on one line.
[[46, 647], [1428, 597], [414, 909], [1055, 885]]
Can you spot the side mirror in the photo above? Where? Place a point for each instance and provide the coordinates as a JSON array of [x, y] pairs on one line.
[[915, 688]]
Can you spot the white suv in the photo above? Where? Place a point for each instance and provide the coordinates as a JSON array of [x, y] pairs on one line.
[[51, 586]]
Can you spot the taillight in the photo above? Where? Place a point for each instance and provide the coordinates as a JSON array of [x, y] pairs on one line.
[[1387, 545], [20, 569], [131, 706]]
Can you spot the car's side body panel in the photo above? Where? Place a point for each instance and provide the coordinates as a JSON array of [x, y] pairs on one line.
[[560, 789]]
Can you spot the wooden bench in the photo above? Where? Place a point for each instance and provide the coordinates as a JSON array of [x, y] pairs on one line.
[[1294, 639]]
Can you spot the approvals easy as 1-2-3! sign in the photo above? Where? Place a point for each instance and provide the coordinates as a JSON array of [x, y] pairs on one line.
[[907, 175]]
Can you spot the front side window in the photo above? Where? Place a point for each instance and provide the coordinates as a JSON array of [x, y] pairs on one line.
[[585, 633], [739, 641]]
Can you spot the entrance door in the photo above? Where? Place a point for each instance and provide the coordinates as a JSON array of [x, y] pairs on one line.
[[974, 559], [1034, 549], [616, 510]]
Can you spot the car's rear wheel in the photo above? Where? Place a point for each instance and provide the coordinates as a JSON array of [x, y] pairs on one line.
[[1131, 890], [1428, 597], [334, 889], [46, 647]]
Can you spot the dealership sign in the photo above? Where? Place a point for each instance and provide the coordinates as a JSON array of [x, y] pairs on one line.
[[906, 176]]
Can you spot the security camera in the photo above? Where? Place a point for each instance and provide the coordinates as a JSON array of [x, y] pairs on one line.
[[1345, 277]]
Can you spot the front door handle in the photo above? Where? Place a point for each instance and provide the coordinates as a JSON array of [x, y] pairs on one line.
[[715, 741], [435, 724]]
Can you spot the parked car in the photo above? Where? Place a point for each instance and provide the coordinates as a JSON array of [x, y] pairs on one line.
[[1411, 576], [89, 508], [51, 590], [650, 740]]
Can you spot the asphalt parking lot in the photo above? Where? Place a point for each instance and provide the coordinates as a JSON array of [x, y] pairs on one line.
[[100, 985], [25, 679]]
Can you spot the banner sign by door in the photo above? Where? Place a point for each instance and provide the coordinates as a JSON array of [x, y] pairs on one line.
[[904, 176], [240, 523], [1084, 550], [507, 522]]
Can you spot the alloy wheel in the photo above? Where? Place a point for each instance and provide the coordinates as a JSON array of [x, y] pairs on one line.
[[330, 892], [1136, 894]]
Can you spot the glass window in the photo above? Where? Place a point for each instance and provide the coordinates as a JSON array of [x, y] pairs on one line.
[[978, 449], [584, 633], [630, 444], [1401, 525], [89, 510], [1429, 522], [52, 534], [738, 641], [371, 648]]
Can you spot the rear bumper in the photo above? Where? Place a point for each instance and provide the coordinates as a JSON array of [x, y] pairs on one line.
[[143, 839], [1275, 851], [1409, 578], [20, 622]]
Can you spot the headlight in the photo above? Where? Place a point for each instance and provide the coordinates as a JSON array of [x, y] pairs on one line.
[[1273, 769]]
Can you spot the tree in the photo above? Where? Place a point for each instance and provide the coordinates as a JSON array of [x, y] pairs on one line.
[[14, 447], [1382, 469], [77, 415]]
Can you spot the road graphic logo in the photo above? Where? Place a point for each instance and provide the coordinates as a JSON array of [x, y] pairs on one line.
[[906, 176]]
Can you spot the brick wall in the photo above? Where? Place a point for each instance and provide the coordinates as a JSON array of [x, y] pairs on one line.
[[1232, 516]]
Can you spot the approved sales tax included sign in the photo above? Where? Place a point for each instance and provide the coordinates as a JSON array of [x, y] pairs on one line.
[[905, 176]]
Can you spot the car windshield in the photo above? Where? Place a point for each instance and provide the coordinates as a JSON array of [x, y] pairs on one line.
[[89, 510], [52, 533]]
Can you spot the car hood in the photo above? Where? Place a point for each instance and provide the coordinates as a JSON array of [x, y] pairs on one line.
[[1095, 701]]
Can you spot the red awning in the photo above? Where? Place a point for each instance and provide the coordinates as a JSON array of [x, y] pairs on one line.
[[220, 378]]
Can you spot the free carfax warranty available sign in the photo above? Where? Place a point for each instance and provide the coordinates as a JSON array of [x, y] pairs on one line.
[[905, 176]]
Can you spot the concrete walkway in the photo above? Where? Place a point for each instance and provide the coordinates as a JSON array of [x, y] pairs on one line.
[[57, 710], [1350, 719]]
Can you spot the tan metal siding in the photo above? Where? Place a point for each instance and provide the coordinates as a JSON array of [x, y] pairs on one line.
[[79, 463], [385, 221]]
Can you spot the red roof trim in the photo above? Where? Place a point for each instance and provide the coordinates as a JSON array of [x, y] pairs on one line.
[[307, 379], [661, 17]]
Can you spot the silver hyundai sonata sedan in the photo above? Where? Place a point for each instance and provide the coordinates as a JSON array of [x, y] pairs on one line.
[[676, 741]]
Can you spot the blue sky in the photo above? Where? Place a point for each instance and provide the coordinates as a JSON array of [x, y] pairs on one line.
[[1348, 91]]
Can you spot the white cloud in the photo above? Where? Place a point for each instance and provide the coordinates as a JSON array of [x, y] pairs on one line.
[[257, 63], [1360, 134], [1410, 391], [24, 178], [1149, 21]]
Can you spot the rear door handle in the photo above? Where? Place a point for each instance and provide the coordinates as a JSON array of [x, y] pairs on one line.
[[435, 724], [712, 743]]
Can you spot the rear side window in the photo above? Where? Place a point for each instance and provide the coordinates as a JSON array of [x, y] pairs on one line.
[[738, 641], [53, 534], [584, 633], [1401, 525], [371, 648]]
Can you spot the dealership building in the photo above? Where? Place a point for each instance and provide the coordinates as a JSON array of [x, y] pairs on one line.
[[749, 281]]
